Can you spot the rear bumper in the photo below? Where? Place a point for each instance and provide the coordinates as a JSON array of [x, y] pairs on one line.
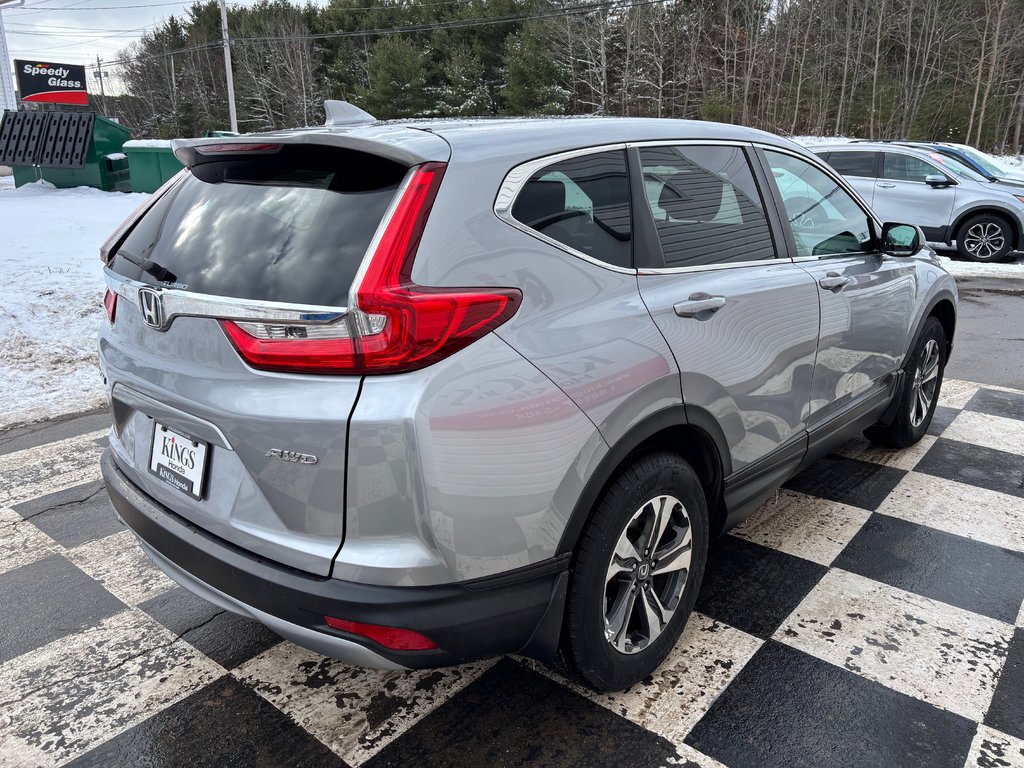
[[516, 612]]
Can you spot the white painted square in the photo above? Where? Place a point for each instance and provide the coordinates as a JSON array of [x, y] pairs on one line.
[[956, 394], [21, 542], [707, 657], [64, 699], [335, 701], [804, 526], [899, 458], [926, 649], [120, 565], [996, 432], [964, 510], [35, 472], [995, 749]]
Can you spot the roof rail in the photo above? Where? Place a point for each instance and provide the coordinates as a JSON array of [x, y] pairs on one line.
[[344, 113]]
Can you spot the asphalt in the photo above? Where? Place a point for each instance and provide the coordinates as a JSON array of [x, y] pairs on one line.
[[989, 345]]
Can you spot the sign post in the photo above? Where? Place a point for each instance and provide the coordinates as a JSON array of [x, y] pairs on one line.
[[49, 83], [7, 100]]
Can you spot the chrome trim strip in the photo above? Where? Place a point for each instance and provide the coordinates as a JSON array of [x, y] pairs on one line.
[[516, 179], [712, 267], [178, 303]]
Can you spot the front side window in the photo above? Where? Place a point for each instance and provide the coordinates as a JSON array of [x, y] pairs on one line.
[[825, 218], [582, 203], [899, 167], [706, 206]]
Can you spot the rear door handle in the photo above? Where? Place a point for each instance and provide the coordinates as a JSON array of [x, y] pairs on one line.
[[886, 185], [833, 281], [699, 303]]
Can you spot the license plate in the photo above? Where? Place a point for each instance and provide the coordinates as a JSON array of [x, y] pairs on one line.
[[178, 460]]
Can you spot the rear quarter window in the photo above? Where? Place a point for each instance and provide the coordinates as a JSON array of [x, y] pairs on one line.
[[290, 227]]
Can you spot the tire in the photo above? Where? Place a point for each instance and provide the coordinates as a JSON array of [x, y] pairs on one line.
[[986, 238], [625, 515], [925, 365]]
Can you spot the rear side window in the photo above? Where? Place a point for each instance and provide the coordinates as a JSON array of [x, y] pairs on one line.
[[290, 227], [582, 203], [853, 163], [705, 205]]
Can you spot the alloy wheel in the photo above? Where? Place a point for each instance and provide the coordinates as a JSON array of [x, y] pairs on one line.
[[926, 379], [984, 240], [647, 574]]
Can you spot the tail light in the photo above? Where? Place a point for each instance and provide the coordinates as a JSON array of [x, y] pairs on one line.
[[390, 637], [110, 304], [396, 325]]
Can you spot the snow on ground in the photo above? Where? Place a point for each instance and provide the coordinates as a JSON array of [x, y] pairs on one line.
[[959, 268], [51, 296]]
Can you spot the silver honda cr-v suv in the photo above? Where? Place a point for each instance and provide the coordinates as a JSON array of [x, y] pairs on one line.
[[412, 394], [949, 201]]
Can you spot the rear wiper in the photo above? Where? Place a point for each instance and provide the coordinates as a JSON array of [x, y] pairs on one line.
[[160, 273]]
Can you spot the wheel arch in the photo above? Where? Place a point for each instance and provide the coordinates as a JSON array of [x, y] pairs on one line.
[[690, 431], [989, 210]]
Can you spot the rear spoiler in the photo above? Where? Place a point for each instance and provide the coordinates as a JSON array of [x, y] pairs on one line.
[[348, 127]]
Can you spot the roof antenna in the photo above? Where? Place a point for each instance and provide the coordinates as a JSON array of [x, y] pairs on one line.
[[343, 113]]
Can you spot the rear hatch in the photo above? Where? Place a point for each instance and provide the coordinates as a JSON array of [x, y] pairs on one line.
[[254, 248]]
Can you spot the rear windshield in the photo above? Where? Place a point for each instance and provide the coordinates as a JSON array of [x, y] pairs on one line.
[[292, 226]]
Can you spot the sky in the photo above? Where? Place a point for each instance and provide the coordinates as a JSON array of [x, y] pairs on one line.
[[77, 31]]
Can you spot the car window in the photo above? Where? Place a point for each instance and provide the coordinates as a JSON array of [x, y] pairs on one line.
[[853, 163], [582, 203], [705, 204], [825, 218], [954, 167], [899, 167]]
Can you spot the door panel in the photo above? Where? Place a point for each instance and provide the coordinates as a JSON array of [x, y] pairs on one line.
[[750, 362], [866, 299], [742, 324], [901, 194]]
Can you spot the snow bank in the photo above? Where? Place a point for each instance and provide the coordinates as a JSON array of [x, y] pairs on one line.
[[51, 296], [974, 269], [150, 143]]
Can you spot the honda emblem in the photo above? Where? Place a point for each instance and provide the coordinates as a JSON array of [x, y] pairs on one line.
[[152, 307]]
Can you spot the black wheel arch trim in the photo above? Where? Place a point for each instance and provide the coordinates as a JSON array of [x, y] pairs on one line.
[[681, 415]]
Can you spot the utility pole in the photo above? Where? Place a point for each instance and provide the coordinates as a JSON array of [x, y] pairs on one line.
[[7, 100], [227, 65], [103, 90]]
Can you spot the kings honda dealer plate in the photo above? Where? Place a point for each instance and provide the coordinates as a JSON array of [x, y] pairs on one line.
[[178, 460]]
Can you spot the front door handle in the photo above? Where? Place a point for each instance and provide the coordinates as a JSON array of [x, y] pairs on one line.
[[886, 185], [698, 304], [833, 281]]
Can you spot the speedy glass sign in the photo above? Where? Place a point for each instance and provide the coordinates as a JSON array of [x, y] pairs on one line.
[[51, 83]]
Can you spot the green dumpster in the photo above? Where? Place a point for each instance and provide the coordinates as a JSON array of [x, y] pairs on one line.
[[67, 149], [151, 164]]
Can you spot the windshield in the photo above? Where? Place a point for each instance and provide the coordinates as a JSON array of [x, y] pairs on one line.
[[991, 166], [955, 167]]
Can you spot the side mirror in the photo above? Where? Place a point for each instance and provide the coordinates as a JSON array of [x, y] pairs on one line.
[[901, 239], [938, 180]]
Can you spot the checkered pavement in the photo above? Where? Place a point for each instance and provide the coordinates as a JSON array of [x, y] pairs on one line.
[[869, 615]]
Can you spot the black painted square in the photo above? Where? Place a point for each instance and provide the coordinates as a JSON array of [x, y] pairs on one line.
[[754, 588], [1006, 712], [996, 403], [512, 716], [787, 709], [223, 724], [849, 481], [47, 600], [74, 516], [975, 465], [962, 572], [941, 419], [227, 638]]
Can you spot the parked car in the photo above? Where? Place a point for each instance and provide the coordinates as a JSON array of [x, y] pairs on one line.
[[980, 162], [413, 394], [949, 201]]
